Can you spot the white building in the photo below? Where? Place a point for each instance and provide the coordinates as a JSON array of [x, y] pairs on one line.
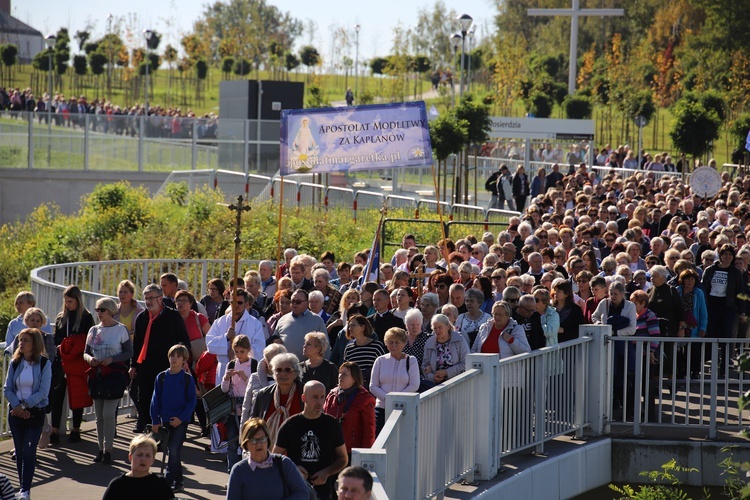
[[28, 40]]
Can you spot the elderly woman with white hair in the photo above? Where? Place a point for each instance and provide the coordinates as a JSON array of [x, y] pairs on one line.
[[445, 352], [621, 315], [665, 302], [108, 350], [279, 401], [501, 335], [428, 304], [260, 379], [416, 336], [316, 367]]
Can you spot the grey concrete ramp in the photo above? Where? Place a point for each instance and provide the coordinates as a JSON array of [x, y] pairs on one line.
[[67, 472]]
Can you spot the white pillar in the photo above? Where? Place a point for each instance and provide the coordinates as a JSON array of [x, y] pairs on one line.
[[600, 377], [573, 49], [487, 413]]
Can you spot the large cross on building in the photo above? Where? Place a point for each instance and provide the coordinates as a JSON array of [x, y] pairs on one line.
[[575, 12]]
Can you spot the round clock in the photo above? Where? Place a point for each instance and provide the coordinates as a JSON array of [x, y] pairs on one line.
[[705, 182]]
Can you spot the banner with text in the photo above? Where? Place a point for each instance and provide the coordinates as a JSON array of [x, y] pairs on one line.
[[354, 138]]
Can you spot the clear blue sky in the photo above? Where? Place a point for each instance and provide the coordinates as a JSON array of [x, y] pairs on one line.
[[377, 19]]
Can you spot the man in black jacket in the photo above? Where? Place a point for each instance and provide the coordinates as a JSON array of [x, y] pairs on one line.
[[491, 186], [383, 319], [156, 330], [527, 316]]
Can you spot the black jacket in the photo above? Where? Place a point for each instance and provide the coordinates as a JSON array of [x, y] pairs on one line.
[[735, 285], [666, 303], [520, 185], [167, 330], [381, 324]]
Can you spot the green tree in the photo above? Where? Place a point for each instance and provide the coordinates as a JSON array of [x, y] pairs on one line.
[[448, 135], [578, 107], [291, 61], [694, 128], [711, 100], [640, 103], [8, 55], [538, 105], [82, 37], [226, 66], [242, 67], [378, 65], [740, 128], [315, 97], [477, 115], [80, 65], [309, 56]]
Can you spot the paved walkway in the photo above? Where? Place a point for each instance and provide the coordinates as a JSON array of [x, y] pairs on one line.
[[66, 471]]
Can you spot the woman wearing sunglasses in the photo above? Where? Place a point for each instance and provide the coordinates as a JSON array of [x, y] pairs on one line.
[[279, 401], [108, 349]]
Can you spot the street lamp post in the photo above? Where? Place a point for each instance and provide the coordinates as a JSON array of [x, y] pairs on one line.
[[464, 20], [356, 62], [470, 34], [455, 42], [50, 40], [147, 34]]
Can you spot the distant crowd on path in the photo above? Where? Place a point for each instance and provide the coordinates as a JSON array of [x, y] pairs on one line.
[[574, 154], [310, 352], [110, 118]]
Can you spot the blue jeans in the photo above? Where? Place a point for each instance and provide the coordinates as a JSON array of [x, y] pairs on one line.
[[25, 439], [174, 463], [233, 434]]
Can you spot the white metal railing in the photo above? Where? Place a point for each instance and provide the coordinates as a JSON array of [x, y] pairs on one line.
[[543, 395], [686, 388], [100, 279]]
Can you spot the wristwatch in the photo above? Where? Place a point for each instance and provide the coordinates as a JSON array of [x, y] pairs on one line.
[[23, 406]]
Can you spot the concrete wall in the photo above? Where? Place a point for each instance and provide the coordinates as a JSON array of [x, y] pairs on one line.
[[21, 191], [630, 457]]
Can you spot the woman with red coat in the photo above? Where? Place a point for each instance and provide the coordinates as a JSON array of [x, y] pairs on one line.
[[354, 407], [69, 368]]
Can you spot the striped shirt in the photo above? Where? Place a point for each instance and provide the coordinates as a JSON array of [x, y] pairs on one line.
[[364, 356]]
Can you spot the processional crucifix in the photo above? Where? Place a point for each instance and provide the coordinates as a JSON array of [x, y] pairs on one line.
[[575, 12], [238, 207]]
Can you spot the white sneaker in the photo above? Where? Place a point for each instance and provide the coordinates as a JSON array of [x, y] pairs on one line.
[[23, 495]]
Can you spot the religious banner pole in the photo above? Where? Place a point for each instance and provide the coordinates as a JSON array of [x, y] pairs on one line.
[[239, 207], [439, 210], [278, 239], [370, 259]]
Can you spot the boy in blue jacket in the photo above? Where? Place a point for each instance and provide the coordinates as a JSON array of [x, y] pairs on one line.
[[172, 405]]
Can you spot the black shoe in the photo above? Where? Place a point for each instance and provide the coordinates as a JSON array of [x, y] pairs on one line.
[[206, 433], [13, 455], [107, 458], [54, 438], [177, 487], [99, 456], [138, 430], [74, 437]]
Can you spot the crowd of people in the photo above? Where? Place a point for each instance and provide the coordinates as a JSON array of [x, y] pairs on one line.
[[109, 118], [310, 352], [574, 154]]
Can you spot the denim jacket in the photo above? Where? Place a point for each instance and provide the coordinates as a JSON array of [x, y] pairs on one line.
[[42, 382]]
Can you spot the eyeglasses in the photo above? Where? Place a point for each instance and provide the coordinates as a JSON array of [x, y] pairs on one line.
[[284, 370], [101, 310], [262, 440], [298, 302], [441, 286], [153, 297]]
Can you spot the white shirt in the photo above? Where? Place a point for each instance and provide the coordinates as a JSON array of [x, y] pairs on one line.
[[217, 343]]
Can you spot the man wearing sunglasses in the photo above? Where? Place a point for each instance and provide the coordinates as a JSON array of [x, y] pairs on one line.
[[527, 316], [293, 326], [219, 337]]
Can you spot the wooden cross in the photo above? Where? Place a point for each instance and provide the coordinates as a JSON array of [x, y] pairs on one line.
[[575, 12], [238, 207], [419, 275]]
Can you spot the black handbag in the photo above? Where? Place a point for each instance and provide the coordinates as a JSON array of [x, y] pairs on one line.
[[107, 382], [217, 404]]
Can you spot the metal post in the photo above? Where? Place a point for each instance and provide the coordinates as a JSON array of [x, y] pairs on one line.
[[356, 63], [599, 391], [257, 132], [453, 86], [461, 71], [195, 144], [148, 63], [86, 117], [487, 401], [141, 142], [49, 110], [31, 140], [246, 149], [640, 144]]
